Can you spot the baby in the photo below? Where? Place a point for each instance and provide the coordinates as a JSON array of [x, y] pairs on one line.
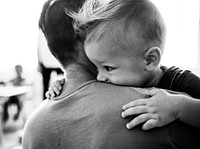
[[125, 41]]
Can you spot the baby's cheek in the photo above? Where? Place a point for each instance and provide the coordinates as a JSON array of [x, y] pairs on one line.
[[125, 81], [117, 81]]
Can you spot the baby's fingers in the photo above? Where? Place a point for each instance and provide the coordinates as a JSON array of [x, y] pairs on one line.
[[133, 111], [152, 123], [54, 91], [138, 120], [134, 103], [57, 85], [50, 94]]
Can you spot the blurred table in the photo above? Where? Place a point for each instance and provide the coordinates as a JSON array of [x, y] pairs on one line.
[[5, 93]]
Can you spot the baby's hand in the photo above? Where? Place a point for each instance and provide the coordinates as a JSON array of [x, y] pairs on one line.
[[55, 88], [158, 110]]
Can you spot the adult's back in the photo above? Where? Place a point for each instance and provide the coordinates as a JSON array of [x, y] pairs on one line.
[[89, 117]]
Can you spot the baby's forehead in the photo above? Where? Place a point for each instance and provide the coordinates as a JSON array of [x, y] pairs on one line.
[[114, 43]]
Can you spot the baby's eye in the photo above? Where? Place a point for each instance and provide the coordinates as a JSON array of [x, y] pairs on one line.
[[108, 68]]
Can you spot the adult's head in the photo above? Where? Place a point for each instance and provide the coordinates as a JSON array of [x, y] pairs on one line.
[[124, 39], [64, 44], [18, 70]]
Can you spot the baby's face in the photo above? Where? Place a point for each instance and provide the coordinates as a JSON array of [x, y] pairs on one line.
[[116, 65]]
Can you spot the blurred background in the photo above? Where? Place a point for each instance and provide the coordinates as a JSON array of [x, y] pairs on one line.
[[27, 67]]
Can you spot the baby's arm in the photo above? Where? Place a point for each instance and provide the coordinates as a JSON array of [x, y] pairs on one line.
[[162, 108], [55, 88]]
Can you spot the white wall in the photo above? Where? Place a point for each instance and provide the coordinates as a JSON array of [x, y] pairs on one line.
[[182, 43], [18, 32]]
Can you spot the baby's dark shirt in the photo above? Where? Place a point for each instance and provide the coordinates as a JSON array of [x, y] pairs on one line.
[[179, 80]]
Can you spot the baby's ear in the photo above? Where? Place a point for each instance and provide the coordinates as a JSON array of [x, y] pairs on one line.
[[152, 58]]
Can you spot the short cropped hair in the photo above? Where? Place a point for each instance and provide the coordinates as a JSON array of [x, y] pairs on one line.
[[98, 17], [58, 29]]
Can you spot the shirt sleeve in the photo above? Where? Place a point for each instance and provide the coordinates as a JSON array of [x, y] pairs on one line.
[[187, 82], [181, 81]]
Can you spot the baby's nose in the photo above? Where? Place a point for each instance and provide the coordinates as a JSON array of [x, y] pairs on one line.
[[102, 78]]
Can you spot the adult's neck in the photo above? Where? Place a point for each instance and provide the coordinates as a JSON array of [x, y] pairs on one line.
[[76, 75]]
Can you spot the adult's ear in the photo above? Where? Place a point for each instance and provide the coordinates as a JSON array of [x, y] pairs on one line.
[[152, 58]]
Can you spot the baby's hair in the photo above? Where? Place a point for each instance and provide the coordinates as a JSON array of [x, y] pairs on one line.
[[97, 17]]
